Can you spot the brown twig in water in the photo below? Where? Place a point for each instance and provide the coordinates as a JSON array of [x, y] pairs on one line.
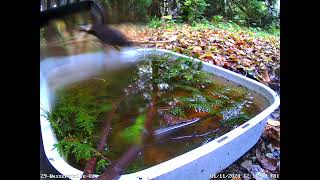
[[92, 162], [115, 171], [195, 135], [119, 166]]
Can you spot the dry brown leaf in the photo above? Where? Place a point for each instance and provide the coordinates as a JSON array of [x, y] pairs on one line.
[[265, 76], [173, 38], [246, 63], [272, 132], [273, 122], [206, 56], [197, 49], [266, 162]]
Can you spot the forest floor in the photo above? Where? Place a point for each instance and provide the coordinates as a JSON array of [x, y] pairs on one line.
[[252, 54]]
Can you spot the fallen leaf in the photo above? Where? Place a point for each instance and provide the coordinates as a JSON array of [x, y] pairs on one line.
[[275, 115], [273, 122], [246, 164], [265, 76], [272, 132], [197, 49], [265, 58], [269, 163], [258, 173], [206, 56], [241, 52], [173, 38], [273, 148], [246, 62], [169, 46], [269, 155], [232, 58]]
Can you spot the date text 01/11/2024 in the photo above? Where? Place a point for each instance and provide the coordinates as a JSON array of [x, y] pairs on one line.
[[230, 176]]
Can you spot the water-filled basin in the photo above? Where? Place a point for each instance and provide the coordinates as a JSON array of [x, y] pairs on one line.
[[199, 163]]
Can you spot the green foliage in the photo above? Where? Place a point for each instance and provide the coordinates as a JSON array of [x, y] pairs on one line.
[[140, 6], [78, 149], [256, 13], [186, 75], [155, 22], [165, 22], [127, 10], [200, 103], [217, 19], [82, 151], [196, 90], [186, 71], [240, 119], [187, 88], [236, 28], [85, 121], [250, 13], [54, 122], [177, 111], [74, 120], [193, 10], [77, 113], [221, 95], [102, 164]]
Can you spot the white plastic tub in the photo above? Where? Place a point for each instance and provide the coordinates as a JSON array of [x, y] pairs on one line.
[[200, 163]]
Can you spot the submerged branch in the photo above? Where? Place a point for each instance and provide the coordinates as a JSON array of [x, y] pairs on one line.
[[116, 170], [195, 135], [92, 162], [121, 164]]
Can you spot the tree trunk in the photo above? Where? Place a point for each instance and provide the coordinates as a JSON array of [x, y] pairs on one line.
[[43, 4], [92, 162], [224, 8], [115, 171], [155, 8], [49, 4]]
